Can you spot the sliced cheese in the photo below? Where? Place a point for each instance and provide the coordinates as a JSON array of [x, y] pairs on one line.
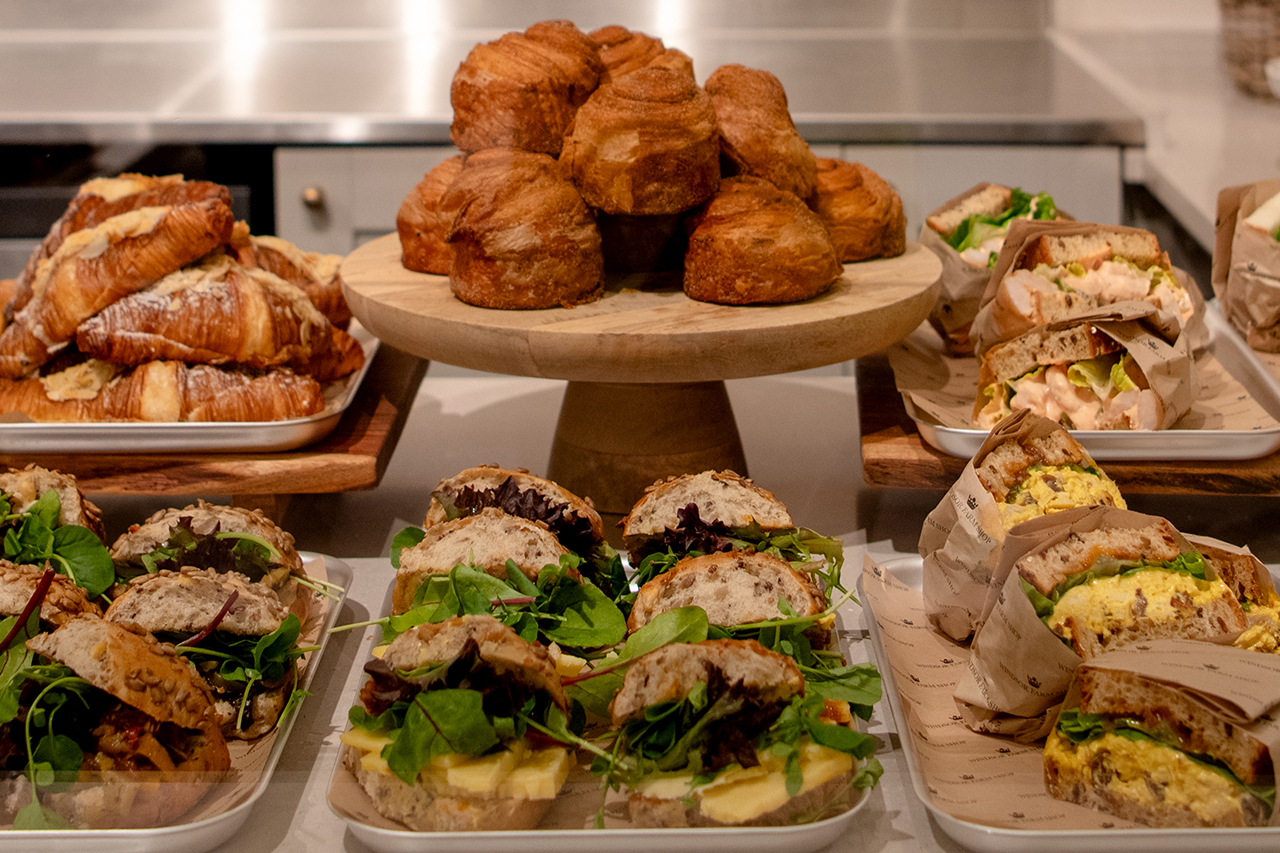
[[539, 777], [365, 740]]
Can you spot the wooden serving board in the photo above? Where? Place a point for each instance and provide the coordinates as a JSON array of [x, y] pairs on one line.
[[646, 365], [895, 456], [632, 335]]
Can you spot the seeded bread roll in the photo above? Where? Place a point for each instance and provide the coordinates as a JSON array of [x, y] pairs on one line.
[[63, 600], [733, 588], [486, 540], [721, 496], [26, 486], [186, 601], [486, 483]]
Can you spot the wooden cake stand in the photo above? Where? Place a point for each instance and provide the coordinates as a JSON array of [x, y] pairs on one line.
[[646, 367]]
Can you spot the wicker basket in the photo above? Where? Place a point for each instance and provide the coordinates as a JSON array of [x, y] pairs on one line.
[[1250, 36]]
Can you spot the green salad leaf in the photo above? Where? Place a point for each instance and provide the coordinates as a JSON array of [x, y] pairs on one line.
[[34, 537]]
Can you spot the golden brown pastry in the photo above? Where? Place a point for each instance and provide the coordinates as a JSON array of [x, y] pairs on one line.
[[521, 91], [96, 266], [645, 144], [162, 391], [860, 209], [102, 198], [757, 134], [316, 273], [7, 288], [624, 51], [754, 243], [521, 234], [422, 244], [216, 313]]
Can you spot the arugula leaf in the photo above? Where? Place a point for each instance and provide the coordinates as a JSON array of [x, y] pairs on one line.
[[439, 722]]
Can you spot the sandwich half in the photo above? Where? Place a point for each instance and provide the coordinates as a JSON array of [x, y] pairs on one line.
[[1075, 375], [1112, 586], [976, 223], [1146, 752]]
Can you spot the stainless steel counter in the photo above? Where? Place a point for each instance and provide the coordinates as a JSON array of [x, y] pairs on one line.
[[276, 72]]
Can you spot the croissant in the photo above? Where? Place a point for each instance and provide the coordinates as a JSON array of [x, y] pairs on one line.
[[215, 313], [162, 391], [316, 273], [624, 51], [757, 134], [102, 198], [754, 243], [521, 91], [96, 266], [645, 144], [860, 209], [521, 234], [422, 243]]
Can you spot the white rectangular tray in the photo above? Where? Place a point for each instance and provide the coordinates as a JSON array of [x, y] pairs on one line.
[[240, 436], [201, 835], [988, 839], [805, 838], [1183, 444]]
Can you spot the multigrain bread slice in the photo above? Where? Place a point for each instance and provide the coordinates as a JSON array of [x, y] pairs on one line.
[[27, 485], [64, 599], [732, 587], [1005, 466], [1089, 250], [486, 540], [1043, 346], [186, 601], [720, 496], [990, 199], [670, 672], [1044, 569], [205, 518]]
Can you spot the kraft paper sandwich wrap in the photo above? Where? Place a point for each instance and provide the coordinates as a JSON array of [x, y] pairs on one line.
[[1019, 669], [961, 537], [972, 776], [1246, 269], [988, 328]]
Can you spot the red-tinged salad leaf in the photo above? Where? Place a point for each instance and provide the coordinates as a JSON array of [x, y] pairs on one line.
[[220, 550], [35, 537]]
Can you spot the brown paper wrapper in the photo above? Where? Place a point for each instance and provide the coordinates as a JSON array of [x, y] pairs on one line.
[[1018, 667], [960, 540], [1246, 266], [987, 330]]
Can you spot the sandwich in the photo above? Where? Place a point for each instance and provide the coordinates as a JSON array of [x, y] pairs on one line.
[[1057, 276], [1072, 373], [571, 519], [45, 518], [134, 733], [719, 511], [237, 633], [975, 224], [513, 568], [1138, 748], [722, 733], [445, 736], [1042, 472], [1111, 586]]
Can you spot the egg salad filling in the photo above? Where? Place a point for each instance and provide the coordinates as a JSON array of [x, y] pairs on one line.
[[1147, 766], [1054, 488], [1113, 594]]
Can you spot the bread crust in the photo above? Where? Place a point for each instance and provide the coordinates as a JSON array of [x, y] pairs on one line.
[[753, 243], [984, 198], [722, 496], [489, 477], [1005, 466], [422, 236], [861, 210], [1045, 568], [28, 484], [485, 540], [63, 599], [645, 144], [732, 587], [187, 600]]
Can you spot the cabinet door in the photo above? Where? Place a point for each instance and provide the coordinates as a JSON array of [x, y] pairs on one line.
[[335, 199]]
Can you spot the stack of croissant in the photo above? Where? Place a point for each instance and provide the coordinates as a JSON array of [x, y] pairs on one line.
[[148, 302], [587, 152]]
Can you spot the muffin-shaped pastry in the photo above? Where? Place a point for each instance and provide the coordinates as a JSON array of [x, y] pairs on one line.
[[422, 243], [860, 209], [522, 236], [757, 134], [522, 91], [645, 144], [754, 243], [623, 51]]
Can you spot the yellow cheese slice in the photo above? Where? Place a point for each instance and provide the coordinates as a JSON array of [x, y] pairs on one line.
[[539, 777]]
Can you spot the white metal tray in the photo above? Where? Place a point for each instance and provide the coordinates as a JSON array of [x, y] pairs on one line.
[[988, 839], [1183, 444], [391, 838], [241, 436], [201, 835]]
